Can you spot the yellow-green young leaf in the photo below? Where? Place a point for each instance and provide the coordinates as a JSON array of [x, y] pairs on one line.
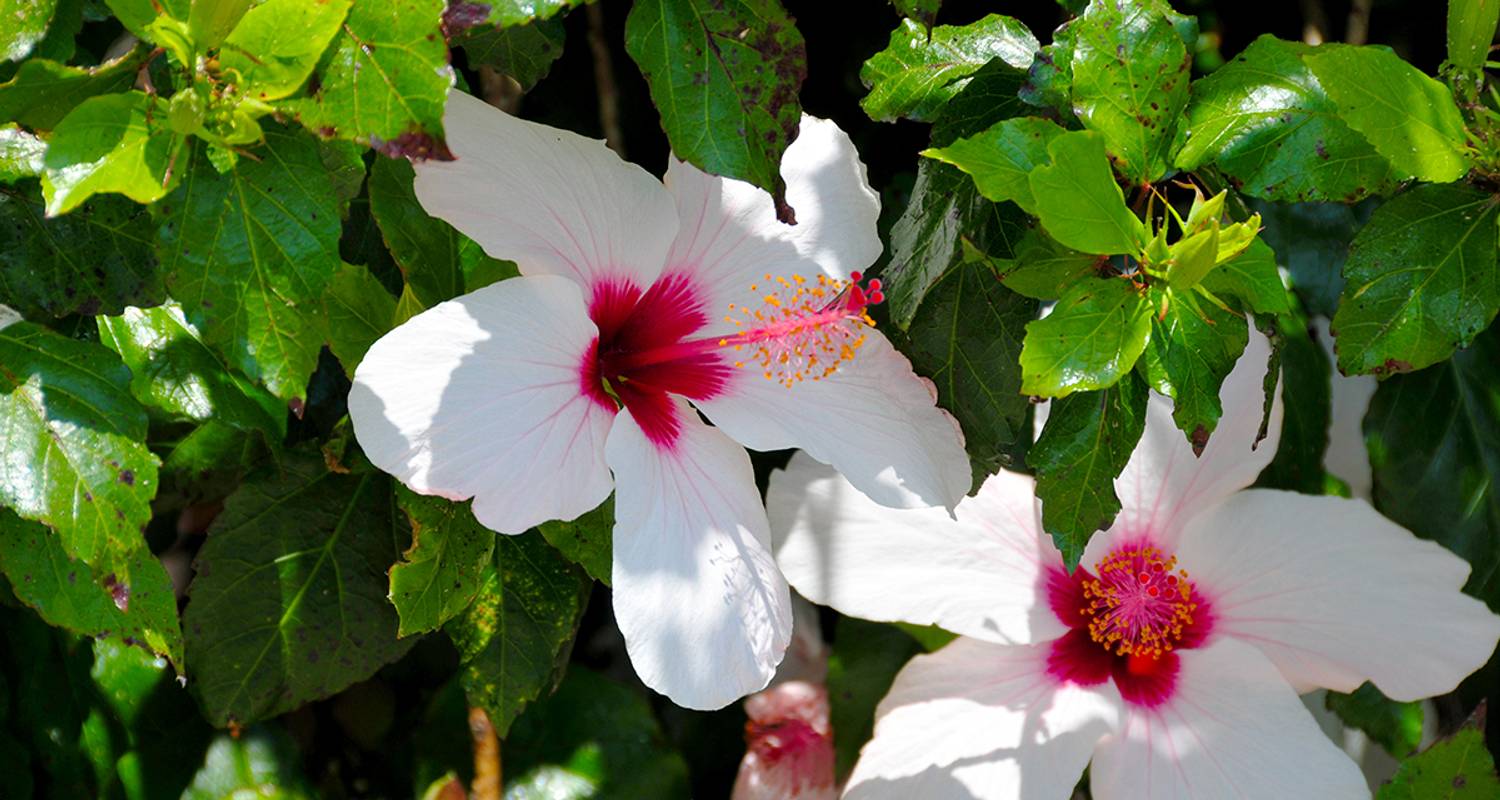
[[1471, 29], [1042, 268], [1093, 336], [1235, 238], [112, 143], [277, 44], [42, 92], [1410, 118], [439, 574], [1190, 258], [1078, 201], [1204, 211], [209, 21], [921, 70], [1457, 768], [1192, 349], [1001, 158], [1252, 278]]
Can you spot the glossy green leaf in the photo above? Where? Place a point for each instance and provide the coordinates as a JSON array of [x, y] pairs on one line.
[[1093, 336], [1043, 269], [919, 71], [289, 604], [1049, 79], [508, 13], [1264, 120], [1471, 29], [966, 338], [25, 25], [1192, 257], [1312, 241], [42, 92], [249, 253], [1085, 444], [1192, 350], [514, 640], [923, 11], [862, 664], [138, 15], [1420, 281], [21, 154], [173, 370], [209, 21], [277, 44], [524, 52], [725, 77], [1410, 118], [1395, 726], [359, 310], [95, 260], [384, 81], [439, 574], [431, 254], [1457, 768], [260, 762], [1078, 201], [1130, 83], [1252, 278], [587, 541], [112, 143], [1001, 158]]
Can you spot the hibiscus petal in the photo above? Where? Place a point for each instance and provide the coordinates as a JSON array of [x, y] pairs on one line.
[[481, 397], [982, 720], [981, 575], [1336, 594], [1232, 728], [705, 613], [554, 202], [874, 420], [730, 237], [1164, 484]]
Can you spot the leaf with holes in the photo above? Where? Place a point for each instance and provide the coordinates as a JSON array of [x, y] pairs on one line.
[[439, 575], [919, 71]]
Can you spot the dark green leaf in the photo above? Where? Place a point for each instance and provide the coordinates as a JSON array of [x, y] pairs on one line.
[[1420, 281], [586, 541], [1078, 201], [96, 260], [524, 52], [1192, 350], [25, 25], [262, 762], [1043, 269], [359, 311], [43, 92], [289, 604], [988, 96], [1087, 440], [277, 44], [923, 11], [249, 253], [1001, 158], [508, 13], [1306, 410], [1395, 726], [385, 80], [1471, 29], [430, 253], [1092, 337], [515, 638], [1264, 119], [1049, 79], [1410, 118], [966, 337], [725, 78], [1130, 83], [439, 574], [1312, 240], [861, 666], [1252, 278], [921, 70], [1458, 768], [113, 143]]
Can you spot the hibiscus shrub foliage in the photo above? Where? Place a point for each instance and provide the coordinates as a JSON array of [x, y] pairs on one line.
[[208, 217]]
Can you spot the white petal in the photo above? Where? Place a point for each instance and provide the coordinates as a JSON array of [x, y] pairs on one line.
[[1232, 729], [1346, 456], [1336, 594], [874, 420], [705, 613], [982, 720], [481, 397], [981, 575], [8, 316], [1164, 484], [554, 202], [730, 237]]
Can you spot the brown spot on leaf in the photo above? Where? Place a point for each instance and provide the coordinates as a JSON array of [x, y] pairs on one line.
[[127, 477], [413, 145], [118, 592], [1199, 440], [462, 15]]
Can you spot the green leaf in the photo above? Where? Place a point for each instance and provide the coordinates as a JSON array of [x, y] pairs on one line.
[[1252, 278], [1049, 79], [359, 311], [1458, 768], [261, 762], [1307, 406], [137, 15], [95, 260], [439, 574], [1085, 444], [725, 77], [509, 13], [289, 604], [1043, 269], [524, 52], [42, 92], [919, 71], [175, 371], [1395, 726], [25, 25], [277, 44], [1079, 202], [209, 21], [513, 641], [1001, 158], [1312, 240], [1264, 119], [862, 664], [1471, 29], [587, 541], [430, 253], [1410, 118], [1130, 83], [923, 11], [1192, 350], [1420, 281], [1092, 337], [250, 252], [966, 337], [384, 81], [21, 154], [113, 143], [67, 593]]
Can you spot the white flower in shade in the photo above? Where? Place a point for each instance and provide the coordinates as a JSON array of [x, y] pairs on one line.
[[538, 396], [1171, 660]]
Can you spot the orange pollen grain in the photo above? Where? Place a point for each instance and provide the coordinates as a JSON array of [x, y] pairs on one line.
[[1140, 602], [804, 328]]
